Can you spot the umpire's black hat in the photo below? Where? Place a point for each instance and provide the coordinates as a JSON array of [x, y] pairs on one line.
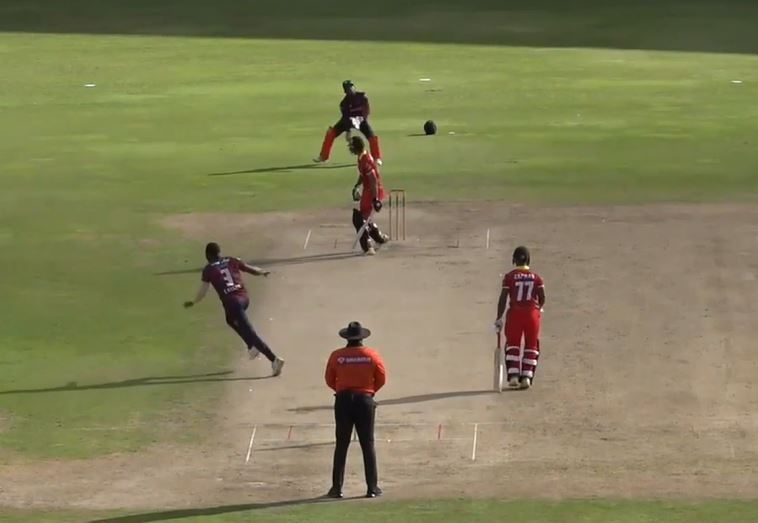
[[354, 331]]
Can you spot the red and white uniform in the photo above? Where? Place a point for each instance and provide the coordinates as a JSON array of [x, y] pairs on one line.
[[368, 170], [522, 321]]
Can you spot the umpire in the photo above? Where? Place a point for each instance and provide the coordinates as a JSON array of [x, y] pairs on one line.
[[355, 373]]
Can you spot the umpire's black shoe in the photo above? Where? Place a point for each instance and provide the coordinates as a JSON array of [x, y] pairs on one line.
[[374, 493], [334, 494]]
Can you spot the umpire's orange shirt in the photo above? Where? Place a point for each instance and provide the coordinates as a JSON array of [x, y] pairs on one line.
[[359, 369]]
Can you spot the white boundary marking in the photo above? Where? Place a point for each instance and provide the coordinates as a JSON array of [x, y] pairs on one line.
[[250, 446], [473, 446], [307, 239]]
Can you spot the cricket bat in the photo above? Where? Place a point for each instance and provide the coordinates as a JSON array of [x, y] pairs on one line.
[[499, 366]]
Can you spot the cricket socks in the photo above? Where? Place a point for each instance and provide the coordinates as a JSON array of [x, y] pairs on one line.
[[326, 147], [513, 361], [529, 363], [373, 144]]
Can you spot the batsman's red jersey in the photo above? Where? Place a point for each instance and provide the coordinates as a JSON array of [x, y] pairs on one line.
[[226, 277], [523, 317], [368, 170]]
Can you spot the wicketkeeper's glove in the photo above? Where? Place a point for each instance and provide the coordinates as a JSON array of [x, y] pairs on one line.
[[377, 205]]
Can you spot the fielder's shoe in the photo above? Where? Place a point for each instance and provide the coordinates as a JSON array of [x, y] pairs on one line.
[[379, 162], [253, 353], [526, 383], [276, 366], [334, 493], [513, 382], [370, 252], [374, 492]]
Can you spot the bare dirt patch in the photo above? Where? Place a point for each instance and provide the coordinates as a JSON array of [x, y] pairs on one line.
[[645, 386]]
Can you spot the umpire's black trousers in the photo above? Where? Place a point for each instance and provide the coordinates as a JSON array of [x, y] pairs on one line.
[[354, 409]]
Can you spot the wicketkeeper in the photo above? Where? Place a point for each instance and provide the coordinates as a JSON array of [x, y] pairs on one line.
[[354, 109]]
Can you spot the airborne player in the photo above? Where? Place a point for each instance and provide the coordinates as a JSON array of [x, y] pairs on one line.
[[354, 109]]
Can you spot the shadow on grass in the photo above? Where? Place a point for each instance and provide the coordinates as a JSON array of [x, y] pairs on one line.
[[212, 377], [285, 168], [211, 511], [421, 398], [272, 262], [726, 26]]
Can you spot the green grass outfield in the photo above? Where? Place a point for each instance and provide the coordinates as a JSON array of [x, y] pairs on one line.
[[452, 511], [96, 354]]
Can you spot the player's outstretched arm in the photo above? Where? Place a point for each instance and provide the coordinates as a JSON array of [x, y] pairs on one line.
[[252, 269], [201, 292]]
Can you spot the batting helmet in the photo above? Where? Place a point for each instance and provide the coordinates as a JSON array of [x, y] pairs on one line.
[[521, 256], [430, 127]]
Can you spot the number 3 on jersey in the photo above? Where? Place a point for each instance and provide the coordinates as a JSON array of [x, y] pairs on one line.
[[228, 280], [525, 288]]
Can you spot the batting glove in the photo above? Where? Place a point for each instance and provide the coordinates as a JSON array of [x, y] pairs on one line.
[[498, 325], [356, 193], [377, 205]]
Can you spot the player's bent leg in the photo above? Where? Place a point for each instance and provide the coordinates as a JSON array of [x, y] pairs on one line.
[[326, 146], [358, 222], [377, 235]]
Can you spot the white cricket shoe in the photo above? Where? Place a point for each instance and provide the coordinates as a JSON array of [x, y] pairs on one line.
[[371, 252], [318, 159], [526, 383], [276, 366], [379, 162], [513, 382], [253, 353]]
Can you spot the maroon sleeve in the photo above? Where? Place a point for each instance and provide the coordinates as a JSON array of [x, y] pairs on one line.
[[206, 277], [507, 281]]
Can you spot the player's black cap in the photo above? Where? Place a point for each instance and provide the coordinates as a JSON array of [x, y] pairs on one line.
[[521, 255], [347, 84]]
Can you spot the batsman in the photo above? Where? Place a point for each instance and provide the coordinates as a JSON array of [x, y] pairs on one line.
[[368, 194], [354, 109], [524, 290]]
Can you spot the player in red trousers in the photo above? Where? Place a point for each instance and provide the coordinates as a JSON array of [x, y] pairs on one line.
[[524, 291], [368, 199], [354, 109]]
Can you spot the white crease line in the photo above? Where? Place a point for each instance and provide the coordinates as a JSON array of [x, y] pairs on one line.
[[250, 446], [473, 447], [307, 239]]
